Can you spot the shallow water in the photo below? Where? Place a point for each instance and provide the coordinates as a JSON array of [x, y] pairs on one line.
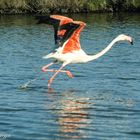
[[101, 102]]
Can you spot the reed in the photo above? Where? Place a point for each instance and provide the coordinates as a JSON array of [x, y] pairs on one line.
[[65, 6], [13, 6], [96, 5], [132, 5]]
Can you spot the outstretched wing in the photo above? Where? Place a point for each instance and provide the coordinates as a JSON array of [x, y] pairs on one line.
[[65, 31], [60, 24], [72, 42], [51, 21]]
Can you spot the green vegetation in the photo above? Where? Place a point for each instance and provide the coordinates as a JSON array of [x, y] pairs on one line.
[[65, 6]]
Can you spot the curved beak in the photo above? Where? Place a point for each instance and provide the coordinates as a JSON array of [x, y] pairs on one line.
[[131, 42]]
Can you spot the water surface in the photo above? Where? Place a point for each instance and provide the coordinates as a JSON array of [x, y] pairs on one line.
[[101, 102]]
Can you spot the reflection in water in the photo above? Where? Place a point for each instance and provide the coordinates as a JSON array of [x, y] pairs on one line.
[[111, 83], [73, 116]]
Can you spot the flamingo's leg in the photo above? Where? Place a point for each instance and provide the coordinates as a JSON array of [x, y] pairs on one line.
[[69, 74], [44, 69], [52, 78]]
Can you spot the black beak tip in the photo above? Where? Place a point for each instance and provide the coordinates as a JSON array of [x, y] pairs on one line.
[[131, 42]]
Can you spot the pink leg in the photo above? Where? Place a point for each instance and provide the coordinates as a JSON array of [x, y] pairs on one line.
[[46, 66], [44, 69], [51, 79], [69, 74]]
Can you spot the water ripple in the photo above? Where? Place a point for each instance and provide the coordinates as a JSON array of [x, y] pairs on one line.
[[101, 102]]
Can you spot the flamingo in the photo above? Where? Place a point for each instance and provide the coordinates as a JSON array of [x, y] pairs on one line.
[[66, 35]]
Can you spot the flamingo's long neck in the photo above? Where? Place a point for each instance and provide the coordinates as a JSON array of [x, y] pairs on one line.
[[93, 57]]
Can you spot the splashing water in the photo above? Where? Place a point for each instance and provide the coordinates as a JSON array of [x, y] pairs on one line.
[[26, 85]]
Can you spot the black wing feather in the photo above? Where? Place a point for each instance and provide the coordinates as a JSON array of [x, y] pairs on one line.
[[50, 21], [69, 27]]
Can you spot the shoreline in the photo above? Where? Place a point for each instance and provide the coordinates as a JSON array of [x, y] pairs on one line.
[[67, 6]]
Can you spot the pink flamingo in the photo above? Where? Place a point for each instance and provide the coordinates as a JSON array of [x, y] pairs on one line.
[[66, 34]]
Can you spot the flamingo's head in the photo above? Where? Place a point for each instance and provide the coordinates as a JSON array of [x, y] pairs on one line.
[[124, 37]]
